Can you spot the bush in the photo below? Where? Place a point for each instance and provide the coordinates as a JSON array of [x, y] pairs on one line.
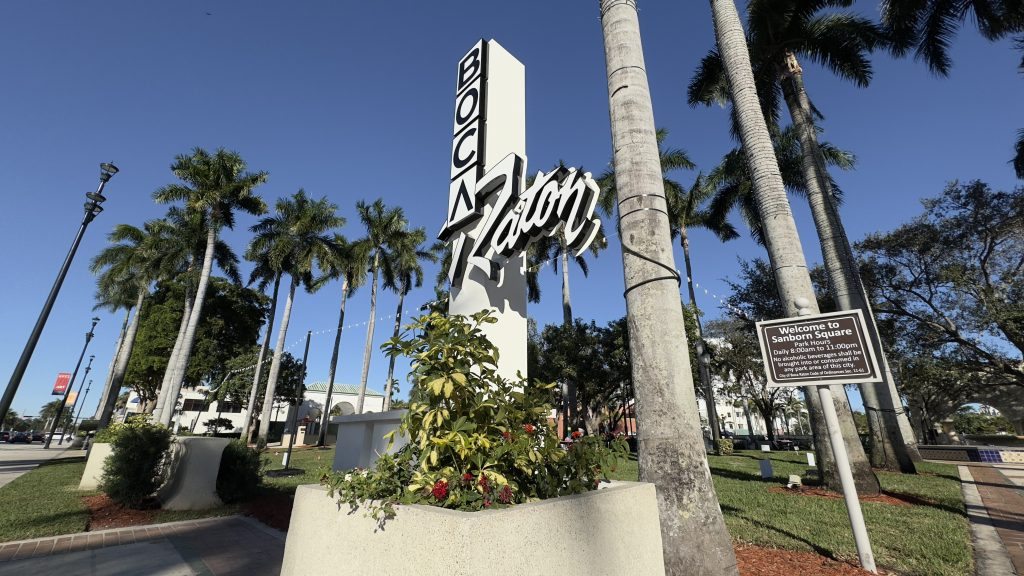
[[241, 472], [725, 446], [131, 474], [476, 440], [88, 425]]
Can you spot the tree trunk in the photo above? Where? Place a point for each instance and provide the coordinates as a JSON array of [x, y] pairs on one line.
[[888, 449], [369, 333], [702, 363], [670, 442], [391, 361], [161, 396], [113, 362], [250, 408], [780, 234], [275, 365], [572, 401], [122, 363], [325, 418]]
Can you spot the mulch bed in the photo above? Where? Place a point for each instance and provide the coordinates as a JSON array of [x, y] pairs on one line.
[[884, 498], [757, 561], [105, 513]]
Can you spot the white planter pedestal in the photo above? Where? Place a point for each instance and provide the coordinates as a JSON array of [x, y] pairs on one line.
[[614, 530], [361, 438], [98, 453], [192, 479]]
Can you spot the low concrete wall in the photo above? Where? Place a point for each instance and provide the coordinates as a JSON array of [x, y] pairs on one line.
[[192, 479], [361, 438], [614, 530], [98, 453]]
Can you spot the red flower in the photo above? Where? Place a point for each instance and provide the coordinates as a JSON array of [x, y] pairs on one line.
[[576, 434], [507, 436], [505, 496], [467, 478], [482, 482], [487, 503], [529, 428], [440, 489]]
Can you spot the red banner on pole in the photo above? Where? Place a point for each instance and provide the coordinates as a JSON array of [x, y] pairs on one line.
[[61, 385]]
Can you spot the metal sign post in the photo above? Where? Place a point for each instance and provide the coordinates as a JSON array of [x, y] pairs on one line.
[[820, 350]]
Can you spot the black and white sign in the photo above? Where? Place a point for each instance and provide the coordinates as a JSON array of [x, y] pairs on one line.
[[820, 349]]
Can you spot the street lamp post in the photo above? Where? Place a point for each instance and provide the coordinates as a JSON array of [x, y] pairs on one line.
[[81, 403], [295, 413], [93, 206], [64, 400]]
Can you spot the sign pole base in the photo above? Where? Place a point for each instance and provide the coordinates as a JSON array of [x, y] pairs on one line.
[[860, 531]]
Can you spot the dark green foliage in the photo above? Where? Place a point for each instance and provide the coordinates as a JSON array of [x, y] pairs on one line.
[[239, 382], [974, 423], [132, 472], [241, 472], [232, 317]]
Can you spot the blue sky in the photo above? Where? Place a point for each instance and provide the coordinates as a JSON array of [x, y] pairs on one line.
[[355, 101]]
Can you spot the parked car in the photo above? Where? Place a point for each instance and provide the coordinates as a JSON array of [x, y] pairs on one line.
[[5, 436], [20, 437], [38, 437]]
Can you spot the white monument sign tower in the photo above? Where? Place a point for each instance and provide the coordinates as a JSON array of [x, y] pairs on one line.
[[490, 219]]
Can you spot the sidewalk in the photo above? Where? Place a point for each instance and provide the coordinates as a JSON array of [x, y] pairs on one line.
[[17, 459], [228, 546], [995, 507]]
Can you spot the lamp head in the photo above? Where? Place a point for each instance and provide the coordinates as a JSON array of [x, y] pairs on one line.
[[107, 169]]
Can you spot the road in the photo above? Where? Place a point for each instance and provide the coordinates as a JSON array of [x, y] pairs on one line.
[[16, 459]]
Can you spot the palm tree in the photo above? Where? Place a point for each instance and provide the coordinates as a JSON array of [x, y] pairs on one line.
[[124, 272], [296, 239], [214, 185], [183, 247], [348, 261], [407, 255], [113, 295], [671, 452], [265, 272], [780, 234], [384, 230], [779, 33]]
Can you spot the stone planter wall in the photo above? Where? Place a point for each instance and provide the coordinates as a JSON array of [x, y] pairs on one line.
[[98, 453], [192, 477], [614, 530], [361, 438]]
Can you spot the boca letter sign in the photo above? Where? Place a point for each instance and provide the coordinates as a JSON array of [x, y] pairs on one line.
[[563, 199]]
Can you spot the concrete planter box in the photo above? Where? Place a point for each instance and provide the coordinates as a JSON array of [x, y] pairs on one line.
[[192, 477], [361, 438], [614, 530], [98, 453]]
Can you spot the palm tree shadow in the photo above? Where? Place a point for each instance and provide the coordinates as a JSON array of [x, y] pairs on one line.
[[735, 512]]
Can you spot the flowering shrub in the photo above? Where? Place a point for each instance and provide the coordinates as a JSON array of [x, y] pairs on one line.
[[476, 440]]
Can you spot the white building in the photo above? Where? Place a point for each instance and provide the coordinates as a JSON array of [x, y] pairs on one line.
[[195, 410]]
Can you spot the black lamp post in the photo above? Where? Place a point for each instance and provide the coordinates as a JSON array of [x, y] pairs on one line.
[[64, 400], [81, 402], [93, 206], [295, 413]]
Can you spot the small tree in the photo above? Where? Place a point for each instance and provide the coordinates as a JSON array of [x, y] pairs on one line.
[[214, 424]]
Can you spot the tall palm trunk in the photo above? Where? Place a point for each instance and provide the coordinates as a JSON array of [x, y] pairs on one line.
[[250, 408], [113, 363], [122, 362], [572, 417], [391, 361], [326, 416], [703, 369], [369, 333], [670, 446], [275, 365], [178, 376], [781, 238], [889, 449], [161, 397]]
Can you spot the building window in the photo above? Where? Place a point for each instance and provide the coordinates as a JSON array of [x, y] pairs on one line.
[[229, 407], [193, 405]]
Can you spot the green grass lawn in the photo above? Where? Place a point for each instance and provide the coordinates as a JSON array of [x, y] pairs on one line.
[[929, 539]]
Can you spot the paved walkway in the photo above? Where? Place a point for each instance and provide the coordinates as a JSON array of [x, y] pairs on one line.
[[229, 546], [995, 507], [16, 459]]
